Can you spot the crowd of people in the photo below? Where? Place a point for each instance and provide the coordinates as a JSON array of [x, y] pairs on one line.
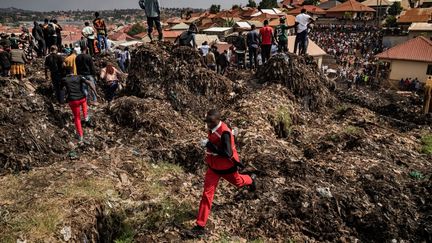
[[353, 47], [409, 84]]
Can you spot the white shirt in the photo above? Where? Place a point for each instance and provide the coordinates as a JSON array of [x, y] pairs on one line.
[[205, 50], [88, 32], [78, 50], [302, 20]]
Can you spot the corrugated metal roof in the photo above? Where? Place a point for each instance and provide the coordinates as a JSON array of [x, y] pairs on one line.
[[373, 3], [418, 49], [217, 29], [416, 15], [351, 6], [245, 25], [309, 8], [329, 4]]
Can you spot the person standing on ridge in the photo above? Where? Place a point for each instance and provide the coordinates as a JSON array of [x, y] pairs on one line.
[[303, 20], [38, 35], [89, 33], [223, 162], [101, 31], [58, 30], [152, 11], [266, 35], [281, 35], [253, 42]]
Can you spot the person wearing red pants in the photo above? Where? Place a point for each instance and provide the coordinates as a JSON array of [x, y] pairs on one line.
[[77, 98], [223, 162]]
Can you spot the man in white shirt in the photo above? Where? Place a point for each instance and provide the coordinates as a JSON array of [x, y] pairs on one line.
[[89, 33], [302, 23]]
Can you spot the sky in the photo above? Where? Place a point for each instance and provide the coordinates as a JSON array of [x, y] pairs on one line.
[[48, 5]]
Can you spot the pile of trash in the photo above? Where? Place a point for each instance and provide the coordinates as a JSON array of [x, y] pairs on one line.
[[33, 130], [301, 76], [179, 77]]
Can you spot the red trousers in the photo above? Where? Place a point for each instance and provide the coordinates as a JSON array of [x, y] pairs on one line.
[[210, 183], [76, 106]]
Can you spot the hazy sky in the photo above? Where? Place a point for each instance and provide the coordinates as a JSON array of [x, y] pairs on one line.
[[42, 5]]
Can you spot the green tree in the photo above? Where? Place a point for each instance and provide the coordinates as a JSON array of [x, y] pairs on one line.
[[214, 8], [235, 6], [265, 4], [395, 9], [136, 29], [391, 21], [251, 4]]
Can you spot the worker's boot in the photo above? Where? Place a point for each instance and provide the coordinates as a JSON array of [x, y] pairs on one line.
[[253, 186]]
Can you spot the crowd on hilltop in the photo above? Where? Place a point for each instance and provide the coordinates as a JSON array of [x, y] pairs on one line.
[[257, 45]]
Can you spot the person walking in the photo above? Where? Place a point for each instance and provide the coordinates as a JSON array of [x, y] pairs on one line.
[[111, 76], [38, 35], [253, 42], [55, 64], [18, 62], [89, 33], [187, 38], [5, 62], [77, 99], [211, 60], [223, 162], [303, 20], [86, 68], [101, 31], [240, 50], [266, 36], [152, 11], [70, 62]]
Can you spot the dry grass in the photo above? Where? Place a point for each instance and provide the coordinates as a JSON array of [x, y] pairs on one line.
[[36, 213]]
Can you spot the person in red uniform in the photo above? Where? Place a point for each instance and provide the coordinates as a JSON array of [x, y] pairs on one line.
[[77, 98], [223, 162]]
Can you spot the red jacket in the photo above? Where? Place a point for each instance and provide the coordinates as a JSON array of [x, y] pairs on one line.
[[218, 162]]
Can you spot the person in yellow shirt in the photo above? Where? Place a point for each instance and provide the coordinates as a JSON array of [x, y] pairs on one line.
[[70, 62]]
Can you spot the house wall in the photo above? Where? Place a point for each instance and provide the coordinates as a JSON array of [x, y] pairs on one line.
[[408, 69]]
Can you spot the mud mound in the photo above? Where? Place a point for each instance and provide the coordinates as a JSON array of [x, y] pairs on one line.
[[403, 112], [178, 76], [301, 75], [30, 137], [155, 126]]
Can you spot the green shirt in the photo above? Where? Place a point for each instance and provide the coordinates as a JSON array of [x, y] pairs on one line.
[[281, 32]]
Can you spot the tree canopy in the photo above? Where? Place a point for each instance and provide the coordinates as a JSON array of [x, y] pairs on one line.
[[136, 29], [395, 9], [268, 4], [215, 8], [251, 4]]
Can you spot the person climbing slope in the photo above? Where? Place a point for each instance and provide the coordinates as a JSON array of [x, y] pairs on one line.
[[223, 162], [77, 98]]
